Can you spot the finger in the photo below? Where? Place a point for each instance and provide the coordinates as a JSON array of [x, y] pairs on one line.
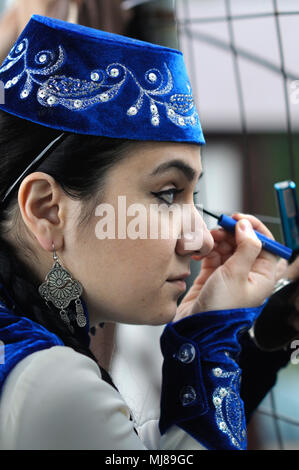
[[221, 234], [212, 260], [247, 250], [281, 269], [225, 248], [293, 269], [199, 257], [256, 224]]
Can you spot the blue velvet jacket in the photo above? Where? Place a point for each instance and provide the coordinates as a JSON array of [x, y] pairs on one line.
[[201, 377]]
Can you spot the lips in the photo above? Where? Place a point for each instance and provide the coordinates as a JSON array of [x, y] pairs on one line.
[[180, 277]]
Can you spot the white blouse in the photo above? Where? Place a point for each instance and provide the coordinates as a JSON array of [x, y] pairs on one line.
[[56, 399]]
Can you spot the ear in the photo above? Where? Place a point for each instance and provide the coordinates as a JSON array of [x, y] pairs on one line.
[[43, 206]]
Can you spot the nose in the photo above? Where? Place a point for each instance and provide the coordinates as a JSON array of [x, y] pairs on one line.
[[195, 237]]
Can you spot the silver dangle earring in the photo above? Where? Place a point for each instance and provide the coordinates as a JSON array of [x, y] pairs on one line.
[[61, 289]]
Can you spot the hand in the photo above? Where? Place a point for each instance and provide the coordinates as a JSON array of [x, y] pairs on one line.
[[289, 271], [237, 273]]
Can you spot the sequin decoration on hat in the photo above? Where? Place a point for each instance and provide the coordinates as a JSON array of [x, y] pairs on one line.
[[81, 80]]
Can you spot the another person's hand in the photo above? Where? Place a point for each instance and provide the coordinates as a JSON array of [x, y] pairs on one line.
[[237, 273]]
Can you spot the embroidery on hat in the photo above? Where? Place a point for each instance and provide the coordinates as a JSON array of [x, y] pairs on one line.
[[229, 407], [101, 87]]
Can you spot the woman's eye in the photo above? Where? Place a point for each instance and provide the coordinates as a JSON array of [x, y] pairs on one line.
[[168, 195]]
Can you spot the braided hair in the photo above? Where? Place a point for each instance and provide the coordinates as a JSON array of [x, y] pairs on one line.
[[79, 164]]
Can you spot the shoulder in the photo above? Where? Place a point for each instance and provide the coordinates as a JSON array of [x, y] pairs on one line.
[[60, 396], [56, 367]]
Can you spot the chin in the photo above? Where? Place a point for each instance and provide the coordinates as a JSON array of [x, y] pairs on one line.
[[165, 316]]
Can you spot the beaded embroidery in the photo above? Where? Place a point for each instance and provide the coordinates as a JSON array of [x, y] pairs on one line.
[[102, 86], [228, 407]]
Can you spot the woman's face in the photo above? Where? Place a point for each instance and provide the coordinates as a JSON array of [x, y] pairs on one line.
[[128, 276]]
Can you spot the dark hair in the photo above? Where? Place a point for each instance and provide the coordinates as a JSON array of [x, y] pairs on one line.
[[79, 164]]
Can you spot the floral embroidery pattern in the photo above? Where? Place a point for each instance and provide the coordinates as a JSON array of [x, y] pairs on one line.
[[101, 87], [229, 407]]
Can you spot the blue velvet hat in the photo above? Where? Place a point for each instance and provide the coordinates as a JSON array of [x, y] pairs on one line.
[[85, 81]]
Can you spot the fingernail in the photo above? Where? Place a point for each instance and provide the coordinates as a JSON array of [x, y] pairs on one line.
[[245, 225]]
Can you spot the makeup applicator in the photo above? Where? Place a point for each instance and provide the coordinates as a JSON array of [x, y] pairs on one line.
[[229, 224]]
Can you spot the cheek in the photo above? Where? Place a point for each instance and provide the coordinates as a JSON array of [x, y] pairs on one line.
[[131, 277], [138, 261], [140, 245], [126, 278]]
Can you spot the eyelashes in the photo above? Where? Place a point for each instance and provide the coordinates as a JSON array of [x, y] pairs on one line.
[[171, 193]]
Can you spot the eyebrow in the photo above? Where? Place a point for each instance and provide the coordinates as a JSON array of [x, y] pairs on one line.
[[186, 169]]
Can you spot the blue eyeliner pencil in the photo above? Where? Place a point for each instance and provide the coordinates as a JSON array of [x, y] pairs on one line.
[[229, 224]]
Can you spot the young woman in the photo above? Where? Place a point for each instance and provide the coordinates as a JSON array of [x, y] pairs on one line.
[[98, 127]]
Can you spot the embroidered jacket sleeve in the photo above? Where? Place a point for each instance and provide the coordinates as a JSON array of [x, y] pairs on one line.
[[201, 379]]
